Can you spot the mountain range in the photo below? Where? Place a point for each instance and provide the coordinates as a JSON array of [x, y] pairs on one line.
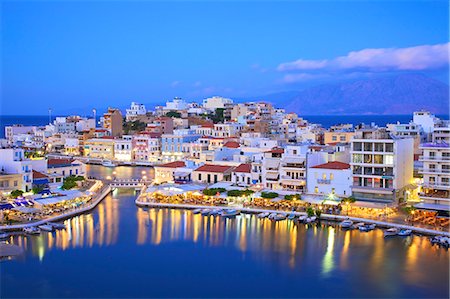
[[401, 94]]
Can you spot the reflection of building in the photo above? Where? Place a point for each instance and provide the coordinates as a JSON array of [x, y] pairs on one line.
[[382, 166], [436, 174]]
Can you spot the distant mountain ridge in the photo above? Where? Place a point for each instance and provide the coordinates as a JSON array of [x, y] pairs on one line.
[[402, 94]]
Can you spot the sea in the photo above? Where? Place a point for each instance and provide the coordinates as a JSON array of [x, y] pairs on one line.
[[325, 120]]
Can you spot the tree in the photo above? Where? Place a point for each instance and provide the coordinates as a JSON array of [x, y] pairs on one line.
[[318, 213], [310, 211], [174, 114], [135, 126], [37, 188], [16, 193], [238, 193], [71, 182], [213, 191]]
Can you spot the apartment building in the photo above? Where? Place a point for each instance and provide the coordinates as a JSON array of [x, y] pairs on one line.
[[113, 122], [146, 147], [382, 166], [13, 162], [333, 177], [123, 150], [101, 148], [211, 173], [436, 175], [292, 169], [136, 110]]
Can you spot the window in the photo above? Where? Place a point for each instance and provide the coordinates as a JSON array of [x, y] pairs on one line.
[[334, 138], [368, 147], [342, 138], [316, 190], [357, 158], [379, 147], [389, 147], [295, 152], [324, 176], [357, 146], [389, 159], [367, 158], [331, 176], [378, 159]]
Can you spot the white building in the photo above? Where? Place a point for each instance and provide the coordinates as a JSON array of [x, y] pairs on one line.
[[382, 166], [123, 150], [216, 102], [11, 131], [330, 178], [135, 111], [13, 161], [71, 146], [176, 104], [227, 130], [436, 176], [292, 170]]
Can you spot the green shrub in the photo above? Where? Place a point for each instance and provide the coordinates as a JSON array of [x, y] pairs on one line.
[[71, 182], [16, 193], [269, 195], [318, 213], [237, 193], [293, 197], [213, 191]]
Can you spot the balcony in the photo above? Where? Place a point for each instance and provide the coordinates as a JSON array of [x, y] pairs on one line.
[[433, 158], [437, 185], [434, 170], [367, 189], [323, 181]]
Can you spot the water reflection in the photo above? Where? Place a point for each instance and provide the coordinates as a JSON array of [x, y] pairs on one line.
[[101, 228]]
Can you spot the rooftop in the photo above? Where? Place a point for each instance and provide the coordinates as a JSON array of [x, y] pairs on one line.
[[214, 168], [333, 165], [246, 168], [175, 164], [232, 144]]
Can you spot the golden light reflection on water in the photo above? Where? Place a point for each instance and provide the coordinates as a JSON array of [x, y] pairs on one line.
[[291, 244]]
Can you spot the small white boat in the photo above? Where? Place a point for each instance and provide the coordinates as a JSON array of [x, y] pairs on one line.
[[359, 224], [291, 216], [346, 224], [47, 227], [205, 212], [279, 217], [404, 232], [367, 227], [4, 235], [302, 218], [108, 163], [272, 216], [263, 215], [197, 211], [32, 230], [229, 213], [310, 219], [391, 232], [441, 240], [214, 212], [57, 225]]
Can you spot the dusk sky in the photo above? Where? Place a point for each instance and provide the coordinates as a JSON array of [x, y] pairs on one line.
[[96, 54]]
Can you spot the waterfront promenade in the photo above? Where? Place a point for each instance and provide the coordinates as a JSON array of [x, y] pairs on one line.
[[102, 193], [323, 216]]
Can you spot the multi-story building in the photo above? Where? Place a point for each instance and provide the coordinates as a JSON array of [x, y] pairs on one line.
[[227, 130], [11, 131], [10, 182], [436, 175], [123, 148], [136, 110], [271, 161], [146, 147], [13, 161], [441, 132], [101, 148], [382, 166], [216, 102], [172, 144], [330, 178], [338, 136], [113, 122], [210, 173], [173, 172]]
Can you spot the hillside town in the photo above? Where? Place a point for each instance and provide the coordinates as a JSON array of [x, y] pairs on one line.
[[240, 146]]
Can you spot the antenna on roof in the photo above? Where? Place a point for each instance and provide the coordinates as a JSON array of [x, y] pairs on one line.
[[49, 115]]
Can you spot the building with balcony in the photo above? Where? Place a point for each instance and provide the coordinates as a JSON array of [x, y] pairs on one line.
[[292, 168], [136, 110], [123, 149], [212, 173], [13, 162], [382, 166], [436, 175], [330, 178], [101, 148], [146, 147], [113, 122]]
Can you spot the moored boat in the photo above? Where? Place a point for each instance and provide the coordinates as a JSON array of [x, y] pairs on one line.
[[205, 212], [47, 227], [57, 225], [391, 232], [441, 240], [279, 217], [4, 235], [302, 218], [405, 232], [291, 216], [367, 227], [356, 225], [108, 163], [272, 216], [32, 230], [310, 219], [263, 215], [197, 211], [346, 224], [229, 213], [214, 212]]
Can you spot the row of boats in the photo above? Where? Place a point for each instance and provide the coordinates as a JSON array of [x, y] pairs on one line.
[[217, 212], [36, 230], [363, 227]]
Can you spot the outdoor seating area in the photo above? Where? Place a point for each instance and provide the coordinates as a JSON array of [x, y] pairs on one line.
[[430, 218]]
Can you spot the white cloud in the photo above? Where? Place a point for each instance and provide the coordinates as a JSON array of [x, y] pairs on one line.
[[419, 58], [175, 83]]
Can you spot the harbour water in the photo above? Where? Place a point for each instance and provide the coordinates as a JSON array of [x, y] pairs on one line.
[[120, 250]]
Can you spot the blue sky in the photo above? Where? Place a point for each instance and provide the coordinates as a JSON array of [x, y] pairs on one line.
[[79, 55]]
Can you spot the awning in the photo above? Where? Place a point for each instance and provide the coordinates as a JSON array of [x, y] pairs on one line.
[[433, 207], [270, 163], [26, 210], [181, 174], [272, 176], [294, 160]]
